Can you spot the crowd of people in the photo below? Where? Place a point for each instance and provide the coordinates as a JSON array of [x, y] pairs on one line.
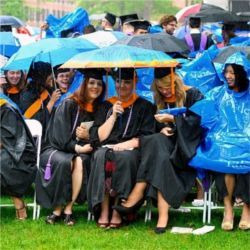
[[117, 152]]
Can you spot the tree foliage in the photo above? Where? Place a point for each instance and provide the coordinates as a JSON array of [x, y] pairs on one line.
[[148, 9], [13, 8]]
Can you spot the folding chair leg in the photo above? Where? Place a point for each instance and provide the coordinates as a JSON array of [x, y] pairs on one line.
[[205, 208], [38, 211], [34, 206], [148, 212], [90, 216], [209, 205]]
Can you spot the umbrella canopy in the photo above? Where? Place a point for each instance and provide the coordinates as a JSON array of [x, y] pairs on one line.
[[157, 41], [211, 13], [182, 14], [52, 50], [121, 56], [8, 44], [228, 51], [103, 38], [11, 20]]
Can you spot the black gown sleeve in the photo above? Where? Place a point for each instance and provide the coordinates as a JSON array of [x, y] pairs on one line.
[[100, 118], [148, 122], [13, 136], [59, 132], [188, 132]]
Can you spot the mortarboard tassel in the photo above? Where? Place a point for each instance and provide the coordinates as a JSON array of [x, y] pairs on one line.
[[47, 174]]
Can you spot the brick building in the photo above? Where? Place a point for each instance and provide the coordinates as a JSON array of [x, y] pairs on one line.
[[38, 10]]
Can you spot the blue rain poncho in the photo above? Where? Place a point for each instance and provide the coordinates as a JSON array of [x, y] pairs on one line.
[[74, 21], [225, 115]]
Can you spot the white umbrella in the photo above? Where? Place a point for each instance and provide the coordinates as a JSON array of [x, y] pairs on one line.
[[103, 38]]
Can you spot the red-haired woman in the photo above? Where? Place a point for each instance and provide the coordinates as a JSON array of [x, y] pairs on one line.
[[65, 160]]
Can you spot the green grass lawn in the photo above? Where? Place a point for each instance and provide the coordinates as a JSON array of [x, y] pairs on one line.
[[31, 234]]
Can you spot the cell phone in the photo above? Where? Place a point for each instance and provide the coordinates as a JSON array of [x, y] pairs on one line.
[[173, 111]]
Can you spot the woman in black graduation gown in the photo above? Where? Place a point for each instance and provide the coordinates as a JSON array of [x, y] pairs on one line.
[[65, 160], [118, 125], [164, 156], [15, 84], [38, 99], [17, 155]]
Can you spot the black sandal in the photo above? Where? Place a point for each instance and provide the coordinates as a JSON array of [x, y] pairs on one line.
[[52, 219], [69, 220]]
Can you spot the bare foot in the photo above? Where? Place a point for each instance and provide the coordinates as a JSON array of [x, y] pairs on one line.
[[116, 218]]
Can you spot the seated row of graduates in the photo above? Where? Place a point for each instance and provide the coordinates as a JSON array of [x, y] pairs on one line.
[[122, 155]]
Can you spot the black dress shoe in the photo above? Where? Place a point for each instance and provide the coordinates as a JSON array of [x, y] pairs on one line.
[[128, 210], [160, 230]]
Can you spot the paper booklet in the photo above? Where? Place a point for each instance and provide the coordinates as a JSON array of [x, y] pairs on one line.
[[87, 125]]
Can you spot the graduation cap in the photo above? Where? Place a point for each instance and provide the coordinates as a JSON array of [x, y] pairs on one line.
[[140, 24], [161, 72], [194, 20], [93, 73], [128, 18], [111, 18], [125, 73], [228, 26]]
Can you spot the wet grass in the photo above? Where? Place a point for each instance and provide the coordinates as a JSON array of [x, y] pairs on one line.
[[31, 234]]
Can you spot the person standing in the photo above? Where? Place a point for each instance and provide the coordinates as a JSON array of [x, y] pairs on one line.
[[169, 24], [108, 22]]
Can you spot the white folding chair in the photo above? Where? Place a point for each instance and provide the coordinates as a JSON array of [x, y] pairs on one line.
[[35, 128], [206, 208]]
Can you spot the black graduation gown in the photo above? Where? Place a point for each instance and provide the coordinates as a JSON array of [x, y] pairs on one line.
[[17, 153], [15, 98], [58, 190], [27, 98], [141, 122], [164, 159]]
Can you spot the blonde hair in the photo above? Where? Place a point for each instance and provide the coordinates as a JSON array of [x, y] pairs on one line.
[[180, 92]]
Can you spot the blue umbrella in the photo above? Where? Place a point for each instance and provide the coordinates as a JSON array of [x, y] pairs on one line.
[[52, 50], [8, 44], [121, 56]]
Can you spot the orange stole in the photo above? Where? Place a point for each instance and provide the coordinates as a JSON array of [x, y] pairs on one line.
[[88, 107], [126, 104], [13, 90], [36, 105]]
